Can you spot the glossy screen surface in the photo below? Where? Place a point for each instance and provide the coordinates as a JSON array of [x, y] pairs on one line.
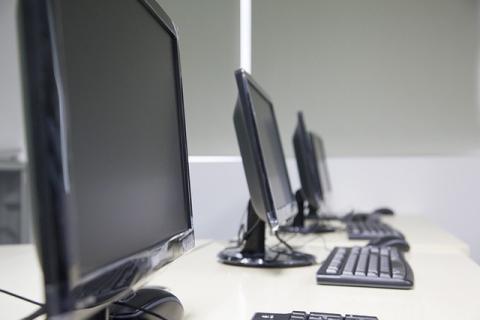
[[271, 149], [123, 137]]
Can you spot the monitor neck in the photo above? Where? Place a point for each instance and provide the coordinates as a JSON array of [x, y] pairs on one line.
[[302, 204], [255, 234], [299, 220], [312, 212]]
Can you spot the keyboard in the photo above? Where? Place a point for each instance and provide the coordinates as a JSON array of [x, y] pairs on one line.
[[370, 230], [301, 315], [383, 267]]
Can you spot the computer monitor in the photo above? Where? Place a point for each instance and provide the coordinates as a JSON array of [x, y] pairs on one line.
[[310, 196], [107, 148], [307, 164], [314, 195], [271, 197], [321, 159], [323, 212]]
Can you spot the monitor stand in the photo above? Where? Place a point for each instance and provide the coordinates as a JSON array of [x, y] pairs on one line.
[[153, 300], [254, 253], [300, 224]]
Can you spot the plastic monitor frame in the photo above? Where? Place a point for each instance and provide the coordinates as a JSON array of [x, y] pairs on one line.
[[252, 251], [321, 160], [310, 195], [307, 165], [42, 68], [253, 155]]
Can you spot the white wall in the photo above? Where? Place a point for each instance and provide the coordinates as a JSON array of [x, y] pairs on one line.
[[209, 36], [11, 119], [445, 189], [379, 77], [375, 77]]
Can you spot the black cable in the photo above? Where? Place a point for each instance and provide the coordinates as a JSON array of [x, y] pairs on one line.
[[40, 312], [291, 252], [241, 238], [21, 298], [249, 232], [124, 304], [291, 236], [285, 243]]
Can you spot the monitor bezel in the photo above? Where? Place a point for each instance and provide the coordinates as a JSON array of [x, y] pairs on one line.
[[274, 216], [307, 164], [322, 165], [43, 70]]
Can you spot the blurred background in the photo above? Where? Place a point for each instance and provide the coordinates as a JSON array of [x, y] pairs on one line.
[[391, 86]]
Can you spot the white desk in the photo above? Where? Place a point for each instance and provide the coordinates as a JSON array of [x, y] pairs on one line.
[[19, 273], [423, 236], [447, 286]]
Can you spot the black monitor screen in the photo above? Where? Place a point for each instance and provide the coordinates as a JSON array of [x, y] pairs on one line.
[[124, 142], [272, 150]]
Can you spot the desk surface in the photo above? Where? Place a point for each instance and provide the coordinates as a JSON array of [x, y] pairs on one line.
[[446, 286], [210, 290], [423, 236], [19, 273]]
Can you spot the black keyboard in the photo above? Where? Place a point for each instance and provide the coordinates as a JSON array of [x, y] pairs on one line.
[[301, 315], [383, 267], [370, 230]]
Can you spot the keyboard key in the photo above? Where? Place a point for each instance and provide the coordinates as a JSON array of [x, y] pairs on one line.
[[362, 263], [271, 316], [385, 251], [351, 261], [324, 316], [399, 270], [385, 266], [373, 263], [332, 270], [337, 261], [299, 315]]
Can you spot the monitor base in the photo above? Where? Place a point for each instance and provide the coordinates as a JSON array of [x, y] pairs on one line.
[[252, 251], [323, 217], [268, 259], [314, 228]]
